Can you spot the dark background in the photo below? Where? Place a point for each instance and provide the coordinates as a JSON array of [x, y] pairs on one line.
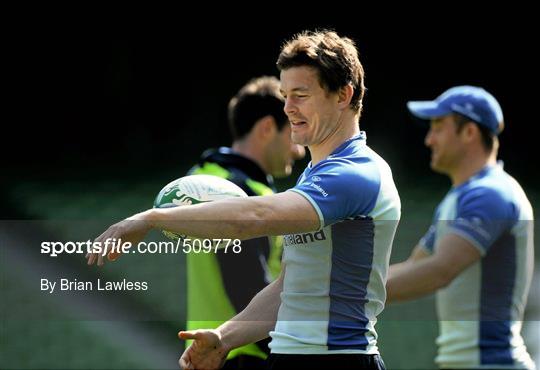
[[105, 107], [96, 97]]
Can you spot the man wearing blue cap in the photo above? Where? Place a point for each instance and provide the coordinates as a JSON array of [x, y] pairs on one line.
[[478, 253]]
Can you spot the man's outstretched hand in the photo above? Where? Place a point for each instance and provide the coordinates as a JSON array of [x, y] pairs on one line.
[[207, 352], [132, 230]]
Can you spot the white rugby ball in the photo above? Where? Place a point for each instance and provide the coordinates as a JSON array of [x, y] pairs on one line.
[[194, 189]]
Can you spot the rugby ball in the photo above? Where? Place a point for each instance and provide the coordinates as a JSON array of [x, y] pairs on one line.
[[194, 189]]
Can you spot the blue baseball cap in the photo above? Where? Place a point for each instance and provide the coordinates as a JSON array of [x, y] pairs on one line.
[[470, 101]]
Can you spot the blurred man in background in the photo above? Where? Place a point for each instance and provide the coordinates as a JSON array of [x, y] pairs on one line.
[[261, 149], [478, 253]]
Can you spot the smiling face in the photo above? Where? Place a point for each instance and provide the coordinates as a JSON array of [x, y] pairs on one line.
[[312, 111]]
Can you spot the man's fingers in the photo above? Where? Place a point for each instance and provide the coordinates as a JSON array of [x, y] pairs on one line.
[[91, 257], [189, 334], [100, 260], [185, 363], [103, 241], [113, 255]]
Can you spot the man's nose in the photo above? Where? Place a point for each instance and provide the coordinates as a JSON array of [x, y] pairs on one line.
[[428, 140], [289, 107]]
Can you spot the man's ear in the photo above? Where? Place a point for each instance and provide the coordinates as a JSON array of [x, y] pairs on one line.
[[265, 127], [470, 131], [345, 95]]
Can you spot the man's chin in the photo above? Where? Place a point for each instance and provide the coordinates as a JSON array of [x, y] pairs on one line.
[[437, 167], [298, 139], [286, 172]]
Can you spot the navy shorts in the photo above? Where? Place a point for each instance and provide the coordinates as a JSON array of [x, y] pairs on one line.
[[278, 361]]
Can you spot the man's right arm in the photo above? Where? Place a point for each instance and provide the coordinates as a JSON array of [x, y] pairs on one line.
[[232, 218], [210, 347], [424, 273]]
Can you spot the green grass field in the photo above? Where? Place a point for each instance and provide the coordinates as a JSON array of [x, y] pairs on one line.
[[61, 336]]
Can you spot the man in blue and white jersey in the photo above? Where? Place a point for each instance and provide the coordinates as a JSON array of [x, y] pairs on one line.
[[339, 223], [478, 253], [334, 286]]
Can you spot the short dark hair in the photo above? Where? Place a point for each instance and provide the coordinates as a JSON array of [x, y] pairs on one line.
[[488, 137], [258, 98], [334, 57]]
